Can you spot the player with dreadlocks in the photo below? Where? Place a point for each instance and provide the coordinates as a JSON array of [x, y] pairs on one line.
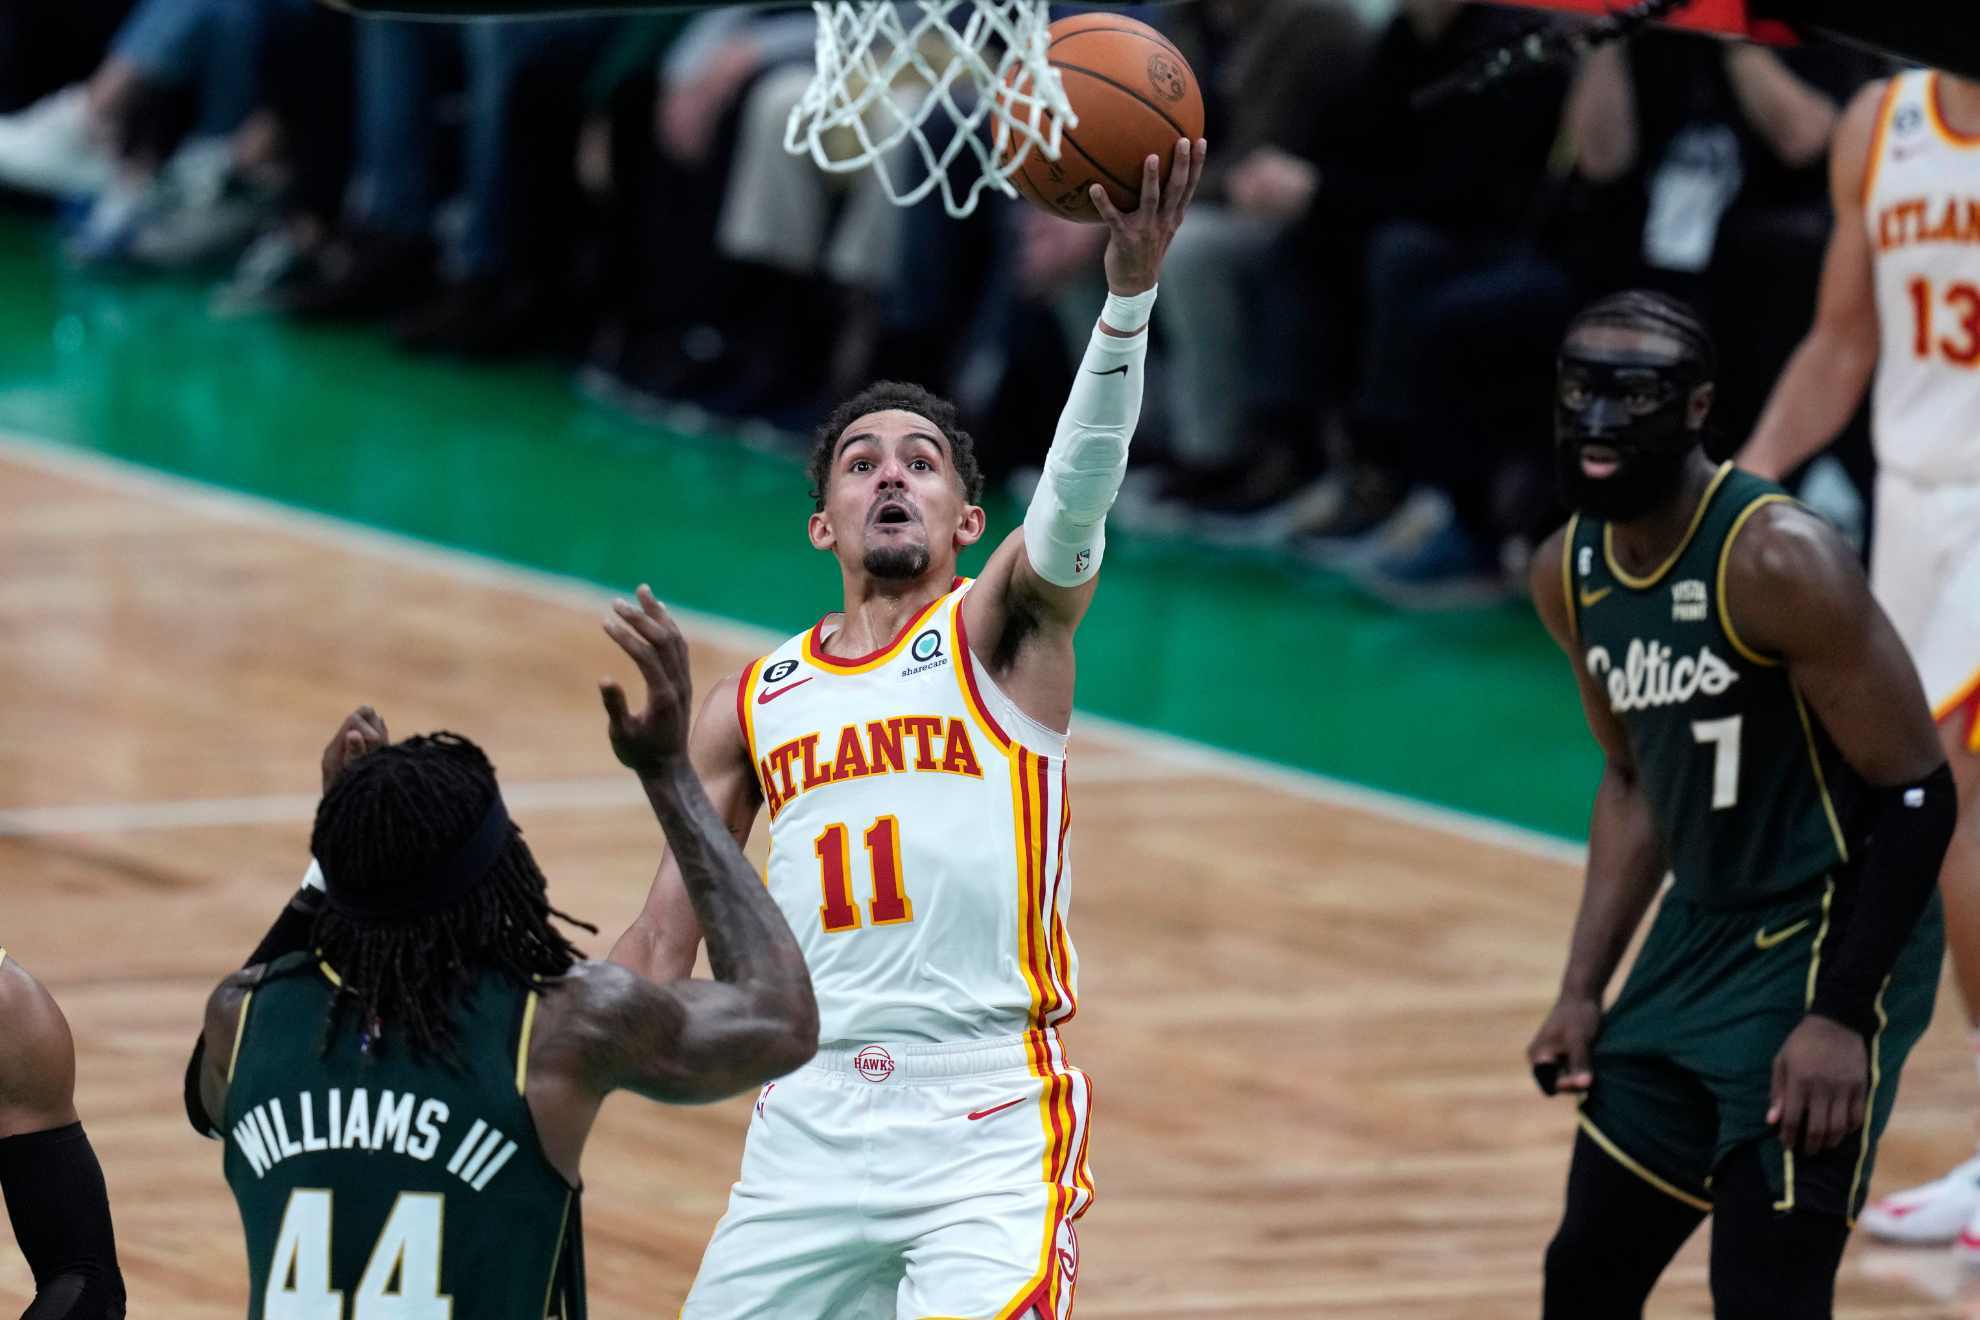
[[406, 1090], [1769, 746]]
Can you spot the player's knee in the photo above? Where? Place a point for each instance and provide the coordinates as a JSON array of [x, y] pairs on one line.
[[1785, 1270], [1575, 1260]]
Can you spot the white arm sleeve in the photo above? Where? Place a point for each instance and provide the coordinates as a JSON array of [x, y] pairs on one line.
[[1065, 530]]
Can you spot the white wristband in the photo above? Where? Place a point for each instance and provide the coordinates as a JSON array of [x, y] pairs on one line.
[[313, 877], [1129, 314]]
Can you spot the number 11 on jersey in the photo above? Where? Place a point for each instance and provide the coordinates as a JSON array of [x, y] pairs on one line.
[[889, 905]]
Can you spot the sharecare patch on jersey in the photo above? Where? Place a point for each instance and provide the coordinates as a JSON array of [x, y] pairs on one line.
[[877, 747]]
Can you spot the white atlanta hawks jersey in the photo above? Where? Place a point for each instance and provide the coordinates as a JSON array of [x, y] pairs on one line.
[[918, 832], [1921, 201]]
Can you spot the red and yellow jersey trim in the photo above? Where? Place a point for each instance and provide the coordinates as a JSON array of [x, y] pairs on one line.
[[1065, 1114], [1886, 107], [814, 642], [1042, 943], [1966, 697], [1934, 112], [972, 695], [746, 722]]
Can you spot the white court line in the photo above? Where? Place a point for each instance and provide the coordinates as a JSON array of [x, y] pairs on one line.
[[729, 634], [616, 793]]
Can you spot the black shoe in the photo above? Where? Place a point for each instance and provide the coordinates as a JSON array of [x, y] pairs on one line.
[[486, 317], [367, 276]]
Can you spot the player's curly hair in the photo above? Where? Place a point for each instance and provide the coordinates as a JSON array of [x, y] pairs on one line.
[[1658, 313], [883, 396], [391, 819]]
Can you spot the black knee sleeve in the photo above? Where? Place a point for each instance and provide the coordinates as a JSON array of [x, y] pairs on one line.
[[1768, 1262], [1616, 1236]]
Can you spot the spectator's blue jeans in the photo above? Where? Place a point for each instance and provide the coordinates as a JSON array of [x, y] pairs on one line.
[[398, 105], [212, 45]]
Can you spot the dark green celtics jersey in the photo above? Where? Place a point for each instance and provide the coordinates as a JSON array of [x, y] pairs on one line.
[[380, 1188], [1750, 795]]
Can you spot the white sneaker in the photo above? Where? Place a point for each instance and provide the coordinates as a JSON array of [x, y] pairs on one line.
[[1947, 1210], [46, 148]]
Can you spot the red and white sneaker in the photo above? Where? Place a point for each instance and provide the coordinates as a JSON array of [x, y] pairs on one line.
[[1947, 1210]]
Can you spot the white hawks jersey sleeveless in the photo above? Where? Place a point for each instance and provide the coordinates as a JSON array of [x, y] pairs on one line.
[[1921, 202], [918, 836]]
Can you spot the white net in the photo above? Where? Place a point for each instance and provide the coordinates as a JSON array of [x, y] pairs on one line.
[[948, 94]]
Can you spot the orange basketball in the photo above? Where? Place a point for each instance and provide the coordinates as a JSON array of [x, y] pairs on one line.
[[1134, 94]]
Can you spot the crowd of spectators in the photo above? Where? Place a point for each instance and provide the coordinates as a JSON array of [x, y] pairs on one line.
[[1356, 331]]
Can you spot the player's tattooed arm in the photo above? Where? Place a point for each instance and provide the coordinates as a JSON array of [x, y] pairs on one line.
[[1830, 369], [1795, 591], [1625, 862], [757, 1019], [664, 938]]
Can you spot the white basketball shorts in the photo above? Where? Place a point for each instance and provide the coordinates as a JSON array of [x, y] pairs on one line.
[[1925, 571], [907, 1182]]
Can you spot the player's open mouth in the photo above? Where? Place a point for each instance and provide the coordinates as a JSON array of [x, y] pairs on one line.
[[1599, 461], [892, 514]]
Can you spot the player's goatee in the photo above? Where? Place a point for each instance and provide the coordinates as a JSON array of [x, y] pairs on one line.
[[896, 563]]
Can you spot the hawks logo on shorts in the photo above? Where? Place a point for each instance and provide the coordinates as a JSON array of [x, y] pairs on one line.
[[918, 827]]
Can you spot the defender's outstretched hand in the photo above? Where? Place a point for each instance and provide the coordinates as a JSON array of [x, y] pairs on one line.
[[362, 731], [647, 741], [1137, 240]]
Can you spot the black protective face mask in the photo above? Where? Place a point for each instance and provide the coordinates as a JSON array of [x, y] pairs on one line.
[[1634, 405]]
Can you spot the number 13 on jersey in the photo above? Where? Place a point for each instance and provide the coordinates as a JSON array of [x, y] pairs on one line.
[[889, 905]]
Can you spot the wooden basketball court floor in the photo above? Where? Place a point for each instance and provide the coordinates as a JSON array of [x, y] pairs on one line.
[[1303, 1006]]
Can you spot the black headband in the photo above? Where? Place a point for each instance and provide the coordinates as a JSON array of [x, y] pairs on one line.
[[453, 879]]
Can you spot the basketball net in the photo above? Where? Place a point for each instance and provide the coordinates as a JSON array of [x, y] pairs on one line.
[[974, 101]]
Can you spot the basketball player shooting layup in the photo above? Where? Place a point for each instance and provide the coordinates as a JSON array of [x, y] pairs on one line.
[[911, 753], [54, 1187], [406, 1096], [1900, 298], [1768, 744]]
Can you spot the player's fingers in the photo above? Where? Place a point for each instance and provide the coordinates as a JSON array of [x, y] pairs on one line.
[[1815, 1121], [670, 630], [1151, 187], [1859, 1102], [1105, 206], [1196, 159], [1580, 1071], [638, 648], [642, 623], [1793, 1104], [1178, 183], [614, 698], [1839, 1125]]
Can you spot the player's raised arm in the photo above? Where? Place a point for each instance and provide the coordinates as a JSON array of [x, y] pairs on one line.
[[49, 1173], [1794, 590], [1825, 378], [1042, 576], [1625, 861], [663, 939], [690, 1039]]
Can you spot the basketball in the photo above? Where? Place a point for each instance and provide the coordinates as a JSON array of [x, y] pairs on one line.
[[1134, 95]]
